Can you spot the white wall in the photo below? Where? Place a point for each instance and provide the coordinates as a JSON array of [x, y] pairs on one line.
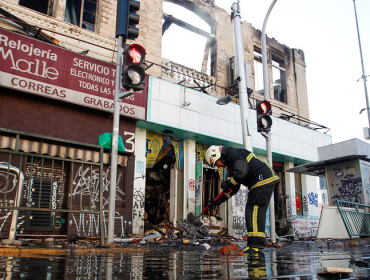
[[189, 176], [139, 183], [310, 191], [205, 116], [290, 190]]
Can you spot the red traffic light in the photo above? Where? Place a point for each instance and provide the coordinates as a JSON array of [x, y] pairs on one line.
[[264, 107], [264, 120], [133, 69], [135, 54]]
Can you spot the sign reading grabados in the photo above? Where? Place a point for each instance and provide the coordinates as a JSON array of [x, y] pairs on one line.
[[29, 65]]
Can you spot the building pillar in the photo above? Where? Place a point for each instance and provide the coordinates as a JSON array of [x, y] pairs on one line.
[[173, 195], [310, 196], [138, 210], [290, 190], [189, 176]]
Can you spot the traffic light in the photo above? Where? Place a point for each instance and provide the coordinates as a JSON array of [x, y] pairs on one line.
[[133, 69], [264, 120], [127, 19]]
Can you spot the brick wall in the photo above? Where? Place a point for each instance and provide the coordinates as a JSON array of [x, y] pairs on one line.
[[151, 14]]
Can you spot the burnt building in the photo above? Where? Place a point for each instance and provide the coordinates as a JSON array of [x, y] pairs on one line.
[[56, 99]]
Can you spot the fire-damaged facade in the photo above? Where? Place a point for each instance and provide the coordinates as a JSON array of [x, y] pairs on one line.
[[57, 76]]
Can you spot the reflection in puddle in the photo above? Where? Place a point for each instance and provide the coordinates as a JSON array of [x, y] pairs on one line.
[[166, 264]]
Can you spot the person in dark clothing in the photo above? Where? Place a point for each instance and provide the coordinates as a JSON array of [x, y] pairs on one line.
[[247, 169]]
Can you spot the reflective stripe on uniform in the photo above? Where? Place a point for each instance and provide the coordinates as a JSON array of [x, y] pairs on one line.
[[249, 157], [256, 234], [232, 180], [254, 218], [227, 195], [265, 182]]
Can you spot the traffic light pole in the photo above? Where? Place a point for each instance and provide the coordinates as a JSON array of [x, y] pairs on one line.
[[243, 95], [114, 155], [268, 135]]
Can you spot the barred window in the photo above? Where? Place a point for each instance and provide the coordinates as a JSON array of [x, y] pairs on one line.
[[82, 13]]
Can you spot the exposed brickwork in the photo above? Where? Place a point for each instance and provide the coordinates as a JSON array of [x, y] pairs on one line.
[[151, 13]]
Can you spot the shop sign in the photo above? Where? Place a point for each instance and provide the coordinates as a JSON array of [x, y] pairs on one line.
[[33, 66]]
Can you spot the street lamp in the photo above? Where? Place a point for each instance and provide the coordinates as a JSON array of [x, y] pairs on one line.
[[226, 99], [268, 134], [366, 129]]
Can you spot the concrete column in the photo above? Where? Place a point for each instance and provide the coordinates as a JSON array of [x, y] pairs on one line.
[[310, 196], [139, 182], [173, 194], [189, 176], [290, 190]]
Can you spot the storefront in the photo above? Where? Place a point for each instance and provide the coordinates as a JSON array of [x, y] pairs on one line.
[[48, 91]]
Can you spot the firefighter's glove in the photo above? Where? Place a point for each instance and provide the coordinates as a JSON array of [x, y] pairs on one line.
[[213, 203], [226, 186]]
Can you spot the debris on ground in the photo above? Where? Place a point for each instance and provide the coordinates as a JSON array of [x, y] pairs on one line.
[[333, 270], [231, 250]]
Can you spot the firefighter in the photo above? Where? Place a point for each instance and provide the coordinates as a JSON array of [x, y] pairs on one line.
[[246, 168]]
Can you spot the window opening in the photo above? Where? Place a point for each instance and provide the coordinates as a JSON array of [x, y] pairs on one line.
[[81, 13], [278, 75], [43, 6], [158, 177], [211, 180], [186, 39], [258, 73]]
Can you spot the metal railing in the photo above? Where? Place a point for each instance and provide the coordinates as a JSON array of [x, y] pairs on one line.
[[356, 217], [48, 182]]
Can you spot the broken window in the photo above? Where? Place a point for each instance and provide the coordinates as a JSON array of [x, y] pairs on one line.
[[258, 72], [43, 6], [278, 75], [82, 13], [187, 39]]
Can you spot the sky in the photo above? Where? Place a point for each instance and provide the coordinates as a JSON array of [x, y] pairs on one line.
[[326, 31]]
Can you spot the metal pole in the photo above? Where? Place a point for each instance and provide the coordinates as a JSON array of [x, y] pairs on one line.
[[267, 97], [113, 175], [244, 110], [362, 64]]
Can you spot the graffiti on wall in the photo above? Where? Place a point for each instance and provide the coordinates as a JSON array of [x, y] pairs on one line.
[[350, 189], [139, 204], [86, 182], [365, 172], [313, 199], [88, 224], [289, 206], [239, 201], [305, 228]]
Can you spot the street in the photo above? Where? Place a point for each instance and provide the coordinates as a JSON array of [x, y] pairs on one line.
[[297, 260]]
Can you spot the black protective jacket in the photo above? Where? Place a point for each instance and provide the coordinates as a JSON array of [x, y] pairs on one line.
[[246, 168]]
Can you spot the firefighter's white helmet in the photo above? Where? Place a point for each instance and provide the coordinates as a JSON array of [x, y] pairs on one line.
[[213, 154]]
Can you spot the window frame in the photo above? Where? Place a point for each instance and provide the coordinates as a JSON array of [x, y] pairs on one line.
[[50, 11], [210, 52], [281, 67], [257, 53], [82, 13]]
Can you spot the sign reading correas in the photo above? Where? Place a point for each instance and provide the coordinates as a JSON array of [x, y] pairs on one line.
[[29, 65]]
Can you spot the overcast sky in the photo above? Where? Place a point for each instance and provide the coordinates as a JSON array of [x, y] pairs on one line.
[[326, 31]]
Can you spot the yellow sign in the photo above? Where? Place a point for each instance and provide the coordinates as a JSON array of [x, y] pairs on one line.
[[201, 151], [154, 143]]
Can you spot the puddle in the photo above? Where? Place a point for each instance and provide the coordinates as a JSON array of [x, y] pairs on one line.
[[170, 264]]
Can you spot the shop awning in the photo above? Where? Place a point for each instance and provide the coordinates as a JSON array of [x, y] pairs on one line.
[[42, 148], [317, 168]]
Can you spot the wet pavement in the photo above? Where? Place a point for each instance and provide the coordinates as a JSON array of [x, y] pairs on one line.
[[175, 260]]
